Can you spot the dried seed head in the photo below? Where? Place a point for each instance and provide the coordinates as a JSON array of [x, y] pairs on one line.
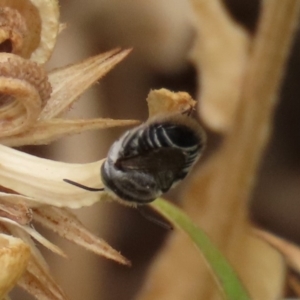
[[12, 30], [29, 28], [24, 89], [15, 67]]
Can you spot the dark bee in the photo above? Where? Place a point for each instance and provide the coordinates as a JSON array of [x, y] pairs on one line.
[[148, 160]]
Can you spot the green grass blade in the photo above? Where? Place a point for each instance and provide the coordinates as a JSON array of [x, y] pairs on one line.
[[226, 277]]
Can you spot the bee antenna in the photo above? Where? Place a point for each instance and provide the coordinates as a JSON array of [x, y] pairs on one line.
[[83, 186], [145, 212]]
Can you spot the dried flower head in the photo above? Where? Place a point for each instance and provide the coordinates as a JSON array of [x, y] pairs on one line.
[[32, 104]]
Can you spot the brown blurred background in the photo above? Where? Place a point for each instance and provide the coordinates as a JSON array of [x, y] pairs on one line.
[[161, 35]]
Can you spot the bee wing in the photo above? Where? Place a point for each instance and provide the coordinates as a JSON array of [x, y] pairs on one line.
[[164, 164]]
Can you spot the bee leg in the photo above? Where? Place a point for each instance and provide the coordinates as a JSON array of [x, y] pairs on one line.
[[83, 186], [152, 216]]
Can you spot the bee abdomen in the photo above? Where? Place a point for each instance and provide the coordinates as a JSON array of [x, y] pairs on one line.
[[151, 158]]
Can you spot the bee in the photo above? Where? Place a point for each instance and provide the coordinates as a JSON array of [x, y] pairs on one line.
[[150, 159]]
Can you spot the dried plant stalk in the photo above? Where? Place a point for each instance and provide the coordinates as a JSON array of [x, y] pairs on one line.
[[218, 195]]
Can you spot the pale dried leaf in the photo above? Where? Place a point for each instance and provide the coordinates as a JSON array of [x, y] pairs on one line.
[[220, 54], [67, 225], [45, 132], [14, 257], [70, 82], [42, 179], [34, 234]]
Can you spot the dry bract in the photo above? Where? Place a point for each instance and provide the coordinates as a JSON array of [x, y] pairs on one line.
[[69, 82], [14, 257], [66, 224], [29, 114], [39, 182], [14, 208]]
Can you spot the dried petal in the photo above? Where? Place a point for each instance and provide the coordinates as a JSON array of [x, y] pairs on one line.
[[70, 82], [17, 211], [38, 282], [49, 15], [14, 198], [26, 238], [45, 132], [34, 234], [66, 224], [14, 256], [42, 179]]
